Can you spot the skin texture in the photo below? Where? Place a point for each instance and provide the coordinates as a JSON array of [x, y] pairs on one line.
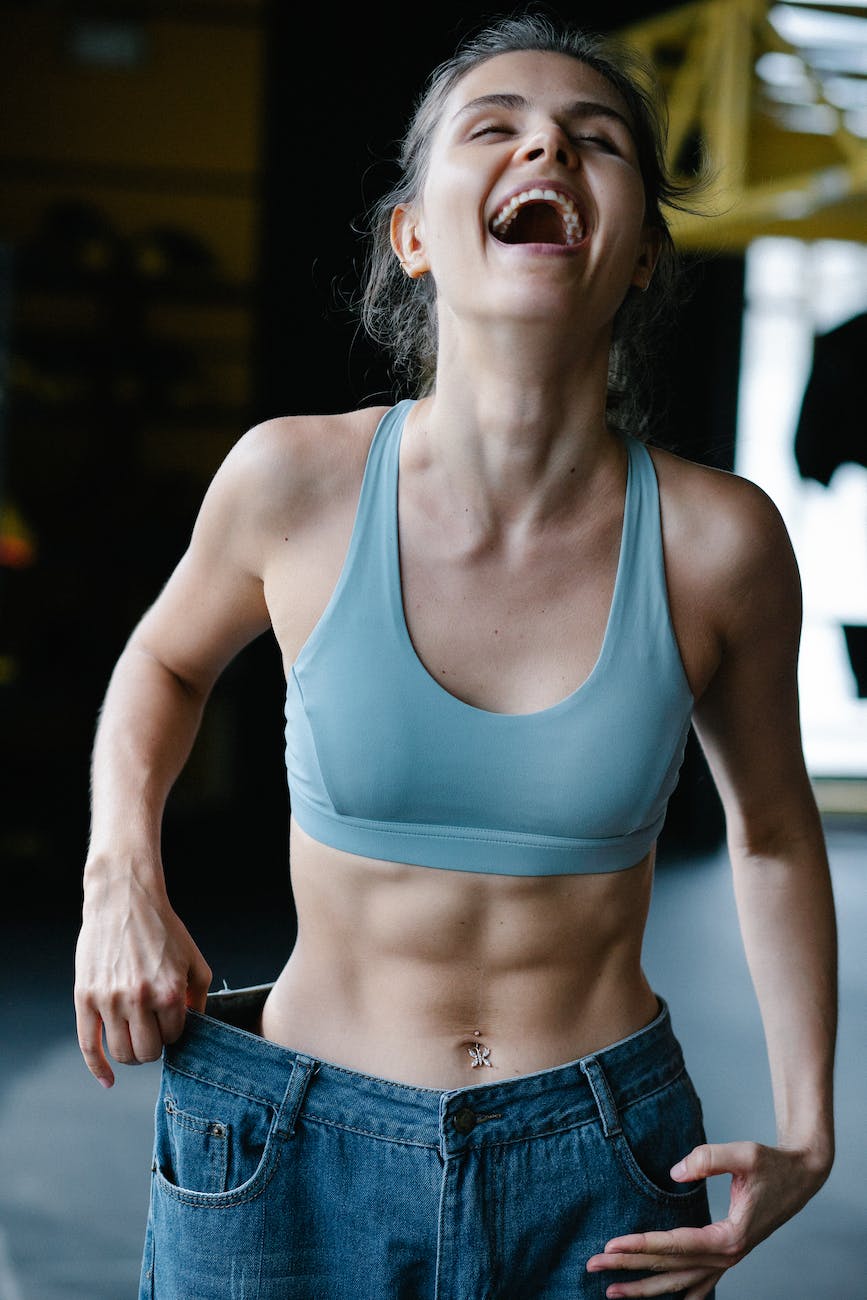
[[510, 511]]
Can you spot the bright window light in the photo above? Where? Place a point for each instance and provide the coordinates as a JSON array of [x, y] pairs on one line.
[[795, 290]]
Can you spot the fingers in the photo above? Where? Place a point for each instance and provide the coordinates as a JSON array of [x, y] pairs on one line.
[[90, 1043], [713, 1240], [144, 1036], [704, 1288], [679, 1259], [664, 1284], [682, 1260], [135, 1027]]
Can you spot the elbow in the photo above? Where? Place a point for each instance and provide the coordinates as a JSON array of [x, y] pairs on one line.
[[142, 657]]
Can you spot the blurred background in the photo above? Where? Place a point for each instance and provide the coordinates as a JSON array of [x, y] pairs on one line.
[[183, 186]]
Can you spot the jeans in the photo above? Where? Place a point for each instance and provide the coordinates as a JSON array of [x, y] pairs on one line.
[[280, 1177]]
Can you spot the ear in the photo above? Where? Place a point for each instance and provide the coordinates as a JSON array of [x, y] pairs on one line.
[[406, 240], [648, 255]]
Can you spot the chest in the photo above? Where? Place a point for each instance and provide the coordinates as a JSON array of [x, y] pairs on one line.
[[508, 627]]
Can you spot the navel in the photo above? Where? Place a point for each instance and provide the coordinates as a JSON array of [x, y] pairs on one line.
[[479, 1054]]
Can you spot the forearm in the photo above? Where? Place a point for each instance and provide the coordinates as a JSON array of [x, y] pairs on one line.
[[786, 909], [147, 726]]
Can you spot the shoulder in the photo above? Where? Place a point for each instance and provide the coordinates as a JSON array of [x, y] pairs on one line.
[[716, 504], [281, 478], [296, 455], [285, 466], [726, 542]]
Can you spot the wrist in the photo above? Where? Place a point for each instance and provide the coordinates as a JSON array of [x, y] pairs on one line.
[[817, 1154], [130, 867]]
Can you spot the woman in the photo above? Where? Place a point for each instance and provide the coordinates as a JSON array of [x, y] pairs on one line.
[[499, 614]]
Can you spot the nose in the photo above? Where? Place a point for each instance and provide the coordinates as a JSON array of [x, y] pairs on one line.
[[551, 141]]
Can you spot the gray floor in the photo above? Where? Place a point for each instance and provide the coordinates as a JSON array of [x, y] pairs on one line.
[[75, 1158]]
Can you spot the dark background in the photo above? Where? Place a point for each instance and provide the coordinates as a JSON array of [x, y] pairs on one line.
[[135, 357]]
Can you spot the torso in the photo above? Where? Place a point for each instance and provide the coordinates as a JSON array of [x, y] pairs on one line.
[[443, 978]]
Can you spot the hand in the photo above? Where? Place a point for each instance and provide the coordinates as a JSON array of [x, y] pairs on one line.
[[769, 1185], [137, 970]]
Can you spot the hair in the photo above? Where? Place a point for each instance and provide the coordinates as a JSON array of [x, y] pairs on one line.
[[399, 313]]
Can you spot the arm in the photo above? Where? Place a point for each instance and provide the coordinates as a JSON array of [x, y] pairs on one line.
[[748, 725], [137, 968]]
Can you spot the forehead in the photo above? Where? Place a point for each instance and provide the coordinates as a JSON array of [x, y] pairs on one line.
[[540, 76]]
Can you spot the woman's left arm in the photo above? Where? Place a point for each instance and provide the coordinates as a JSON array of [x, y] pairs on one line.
[[748, 724]]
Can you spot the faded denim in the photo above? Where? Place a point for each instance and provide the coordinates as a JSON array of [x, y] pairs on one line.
[[280, 1177]]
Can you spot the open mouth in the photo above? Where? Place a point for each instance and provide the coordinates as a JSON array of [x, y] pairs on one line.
[[538, 216]]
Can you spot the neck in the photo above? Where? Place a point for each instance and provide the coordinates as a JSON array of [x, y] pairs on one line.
[[518, 433]]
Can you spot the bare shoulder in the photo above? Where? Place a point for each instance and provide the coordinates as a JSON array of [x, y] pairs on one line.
[[290, 464], [726, 542], [281, 474]]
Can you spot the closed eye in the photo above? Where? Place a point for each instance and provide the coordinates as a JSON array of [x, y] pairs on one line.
[[602, 141], [490, 130]]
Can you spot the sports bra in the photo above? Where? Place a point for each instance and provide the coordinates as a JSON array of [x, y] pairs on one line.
[[383, 761]]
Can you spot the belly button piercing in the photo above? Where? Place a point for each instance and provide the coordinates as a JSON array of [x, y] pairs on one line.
[[480, 1054]]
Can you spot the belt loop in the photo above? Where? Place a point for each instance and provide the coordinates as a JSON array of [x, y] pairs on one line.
[[302, 1072], [602, 1095]]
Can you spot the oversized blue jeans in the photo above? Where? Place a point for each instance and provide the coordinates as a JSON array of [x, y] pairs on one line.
[[280, 1177]]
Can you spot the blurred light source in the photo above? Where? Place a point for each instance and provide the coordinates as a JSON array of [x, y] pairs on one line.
[[856, 122], [809, 27], [808, 119], [846, 92], [778, 69]]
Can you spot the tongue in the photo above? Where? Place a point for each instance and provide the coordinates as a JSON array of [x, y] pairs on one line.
[[537, 223]]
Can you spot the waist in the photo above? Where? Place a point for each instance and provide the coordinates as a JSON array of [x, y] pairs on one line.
[[450, 1042], [216, 1048], [398, 971]]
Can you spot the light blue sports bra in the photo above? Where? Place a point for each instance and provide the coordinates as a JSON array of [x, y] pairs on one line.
[[383, 761]]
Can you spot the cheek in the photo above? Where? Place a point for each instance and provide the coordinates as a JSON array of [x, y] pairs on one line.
[[452, 232]]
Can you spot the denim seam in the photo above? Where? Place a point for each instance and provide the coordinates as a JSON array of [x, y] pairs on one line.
[[403, 1087], [645, 1096], [234, 1092], [363, 1132], [425, 1146]]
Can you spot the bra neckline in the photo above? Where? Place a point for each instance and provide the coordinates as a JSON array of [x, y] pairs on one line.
[[614, 611]]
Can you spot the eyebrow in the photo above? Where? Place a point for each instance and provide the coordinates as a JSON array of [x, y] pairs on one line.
[[581, 108]]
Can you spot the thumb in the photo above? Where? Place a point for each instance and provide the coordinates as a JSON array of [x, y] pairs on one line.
[[720, 1158]]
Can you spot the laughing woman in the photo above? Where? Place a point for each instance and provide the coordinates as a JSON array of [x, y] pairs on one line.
[[499, 612]]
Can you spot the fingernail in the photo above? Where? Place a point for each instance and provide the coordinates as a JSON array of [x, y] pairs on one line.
[[678, 1170]]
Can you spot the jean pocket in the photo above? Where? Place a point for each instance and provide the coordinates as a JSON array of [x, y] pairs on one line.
[[211, 1143], [656, 1132]]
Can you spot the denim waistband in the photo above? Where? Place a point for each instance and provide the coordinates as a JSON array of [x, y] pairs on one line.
[[300, 1086]]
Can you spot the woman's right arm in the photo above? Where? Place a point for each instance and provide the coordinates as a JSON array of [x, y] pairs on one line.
[[136, 966]]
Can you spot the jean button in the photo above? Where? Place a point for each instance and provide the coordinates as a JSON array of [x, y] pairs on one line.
[[465, 1120]]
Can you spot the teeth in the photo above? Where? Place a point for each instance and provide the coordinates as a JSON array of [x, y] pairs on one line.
[[570, 214]]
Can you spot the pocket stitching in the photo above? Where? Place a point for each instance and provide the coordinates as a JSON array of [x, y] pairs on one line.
[[248, 1191], [263, 1172], [197, 1124], [630, 1163], [640, 1179]]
